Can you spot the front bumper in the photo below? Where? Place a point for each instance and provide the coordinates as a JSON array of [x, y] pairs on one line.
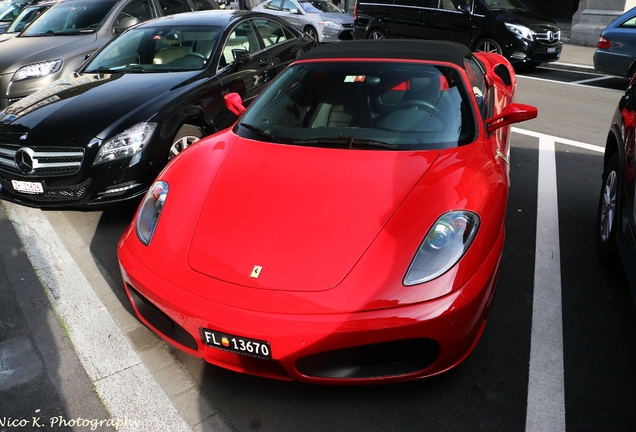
[[386, 345], [88, 187], [524, 52]]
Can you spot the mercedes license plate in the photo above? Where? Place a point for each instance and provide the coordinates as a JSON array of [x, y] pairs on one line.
[[27, 187], [551, 50], [237, 344]]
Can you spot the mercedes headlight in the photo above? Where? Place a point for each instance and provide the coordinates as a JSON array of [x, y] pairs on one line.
[[36, 70], [331, 24], [444, 245], [127, 144], [150, 210], [521, 31]]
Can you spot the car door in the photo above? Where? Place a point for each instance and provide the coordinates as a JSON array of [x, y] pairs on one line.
[[244, 65], [293, 13], [410, 19], [282, 45], [457, 21]]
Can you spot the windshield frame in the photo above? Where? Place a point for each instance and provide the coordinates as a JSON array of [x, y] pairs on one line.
[[290, 110]]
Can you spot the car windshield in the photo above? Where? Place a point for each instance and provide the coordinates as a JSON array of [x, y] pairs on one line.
[[9, 10], [71, 18], [319, 7], [26, 16], [157, 49], [363, 104], [504, 4]]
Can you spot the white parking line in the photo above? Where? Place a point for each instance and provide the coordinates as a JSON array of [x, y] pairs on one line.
[[574, 83], [546, 384]]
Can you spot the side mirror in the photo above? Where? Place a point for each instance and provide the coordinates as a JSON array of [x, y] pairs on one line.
[[465, 8], [241, 55], [125, 23], [513, 113], [234, 103]]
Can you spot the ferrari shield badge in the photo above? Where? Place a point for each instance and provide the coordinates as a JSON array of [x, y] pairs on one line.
[[256, 272]]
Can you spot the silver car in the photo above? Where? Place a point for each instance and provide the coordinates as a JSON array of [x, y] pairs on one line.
[[56, 43], [320, 19]]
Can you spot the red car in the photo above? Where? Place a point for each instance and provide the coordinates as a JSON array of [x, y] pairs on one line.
[[348, 229]]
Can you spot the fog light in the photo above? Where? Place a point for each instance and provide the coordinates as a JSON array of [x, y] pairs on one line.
[[120, 188], [519, 55]]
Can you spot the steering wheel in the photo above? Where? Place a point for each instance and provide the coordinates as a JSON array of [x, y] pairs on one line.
[[409, 104], [197, 55]]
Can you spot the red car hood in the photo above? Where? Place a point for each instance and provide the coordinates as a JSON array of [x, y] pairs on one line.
[[303, 215]]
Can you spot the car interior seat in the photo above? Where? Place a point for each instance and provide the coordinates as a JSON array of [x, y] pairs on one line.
[[447, 5], [172, 50], [345, 105]]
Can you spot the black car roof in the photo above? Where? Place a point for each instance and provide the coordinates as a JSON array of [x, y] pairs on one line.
[[206, 17], [450, 52]]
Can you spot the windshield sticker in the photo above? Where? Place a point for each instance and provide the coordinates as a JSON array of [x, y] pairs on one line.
[[355, 78]]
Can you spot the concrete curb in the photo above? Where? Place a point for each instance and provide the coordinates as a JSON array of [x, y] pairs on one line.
[[131, 395]]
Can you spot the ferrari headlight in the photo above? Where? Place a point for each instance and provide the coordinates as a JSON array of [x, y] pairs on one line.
[[36, 70], [150, 210], [126, 144], [331, 24], [445, 243], [521, 31]]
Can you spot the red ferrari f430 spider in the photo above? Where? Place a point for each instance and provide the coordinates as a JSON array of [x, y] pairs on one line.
[[347, 229]]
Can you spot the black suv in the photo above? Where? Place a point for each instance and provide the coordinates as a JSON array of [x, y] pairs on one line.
[[506, 27]]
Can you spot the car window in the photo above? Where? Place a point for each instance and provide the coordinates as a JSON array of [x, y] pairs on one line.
[[26, 16], [418, 3], [630, 23], [453, 5], [476, 79], [274, 5], [504, 4], [271, 32], [171, 7], [320, 6], [76, 17], [289, 6], [205, 5], [143, 10], [242, 37], [380, 104], [157, 50], [10, 10]]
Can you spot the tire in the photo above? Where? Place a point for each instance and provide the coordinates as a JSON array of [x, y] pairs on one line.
[[185, 137], [608, 212], [312, 33], [488, 45], [376, 33]]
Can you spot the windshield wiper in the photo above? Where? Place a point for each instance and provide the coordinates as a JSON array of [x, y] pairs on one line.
[[349, 141], [260, 131]]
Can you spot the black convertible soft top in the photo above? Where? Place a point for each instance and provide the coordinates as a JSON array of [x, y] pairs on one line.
[[450, 52]]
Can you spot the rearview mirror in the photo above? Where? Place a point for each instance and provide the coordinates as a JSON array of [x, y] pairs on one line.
[[513, 113], [234, 103]]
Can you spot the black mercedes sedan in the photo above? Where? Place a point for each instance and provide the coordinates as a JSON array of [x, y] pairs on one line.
[[101, 135]]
